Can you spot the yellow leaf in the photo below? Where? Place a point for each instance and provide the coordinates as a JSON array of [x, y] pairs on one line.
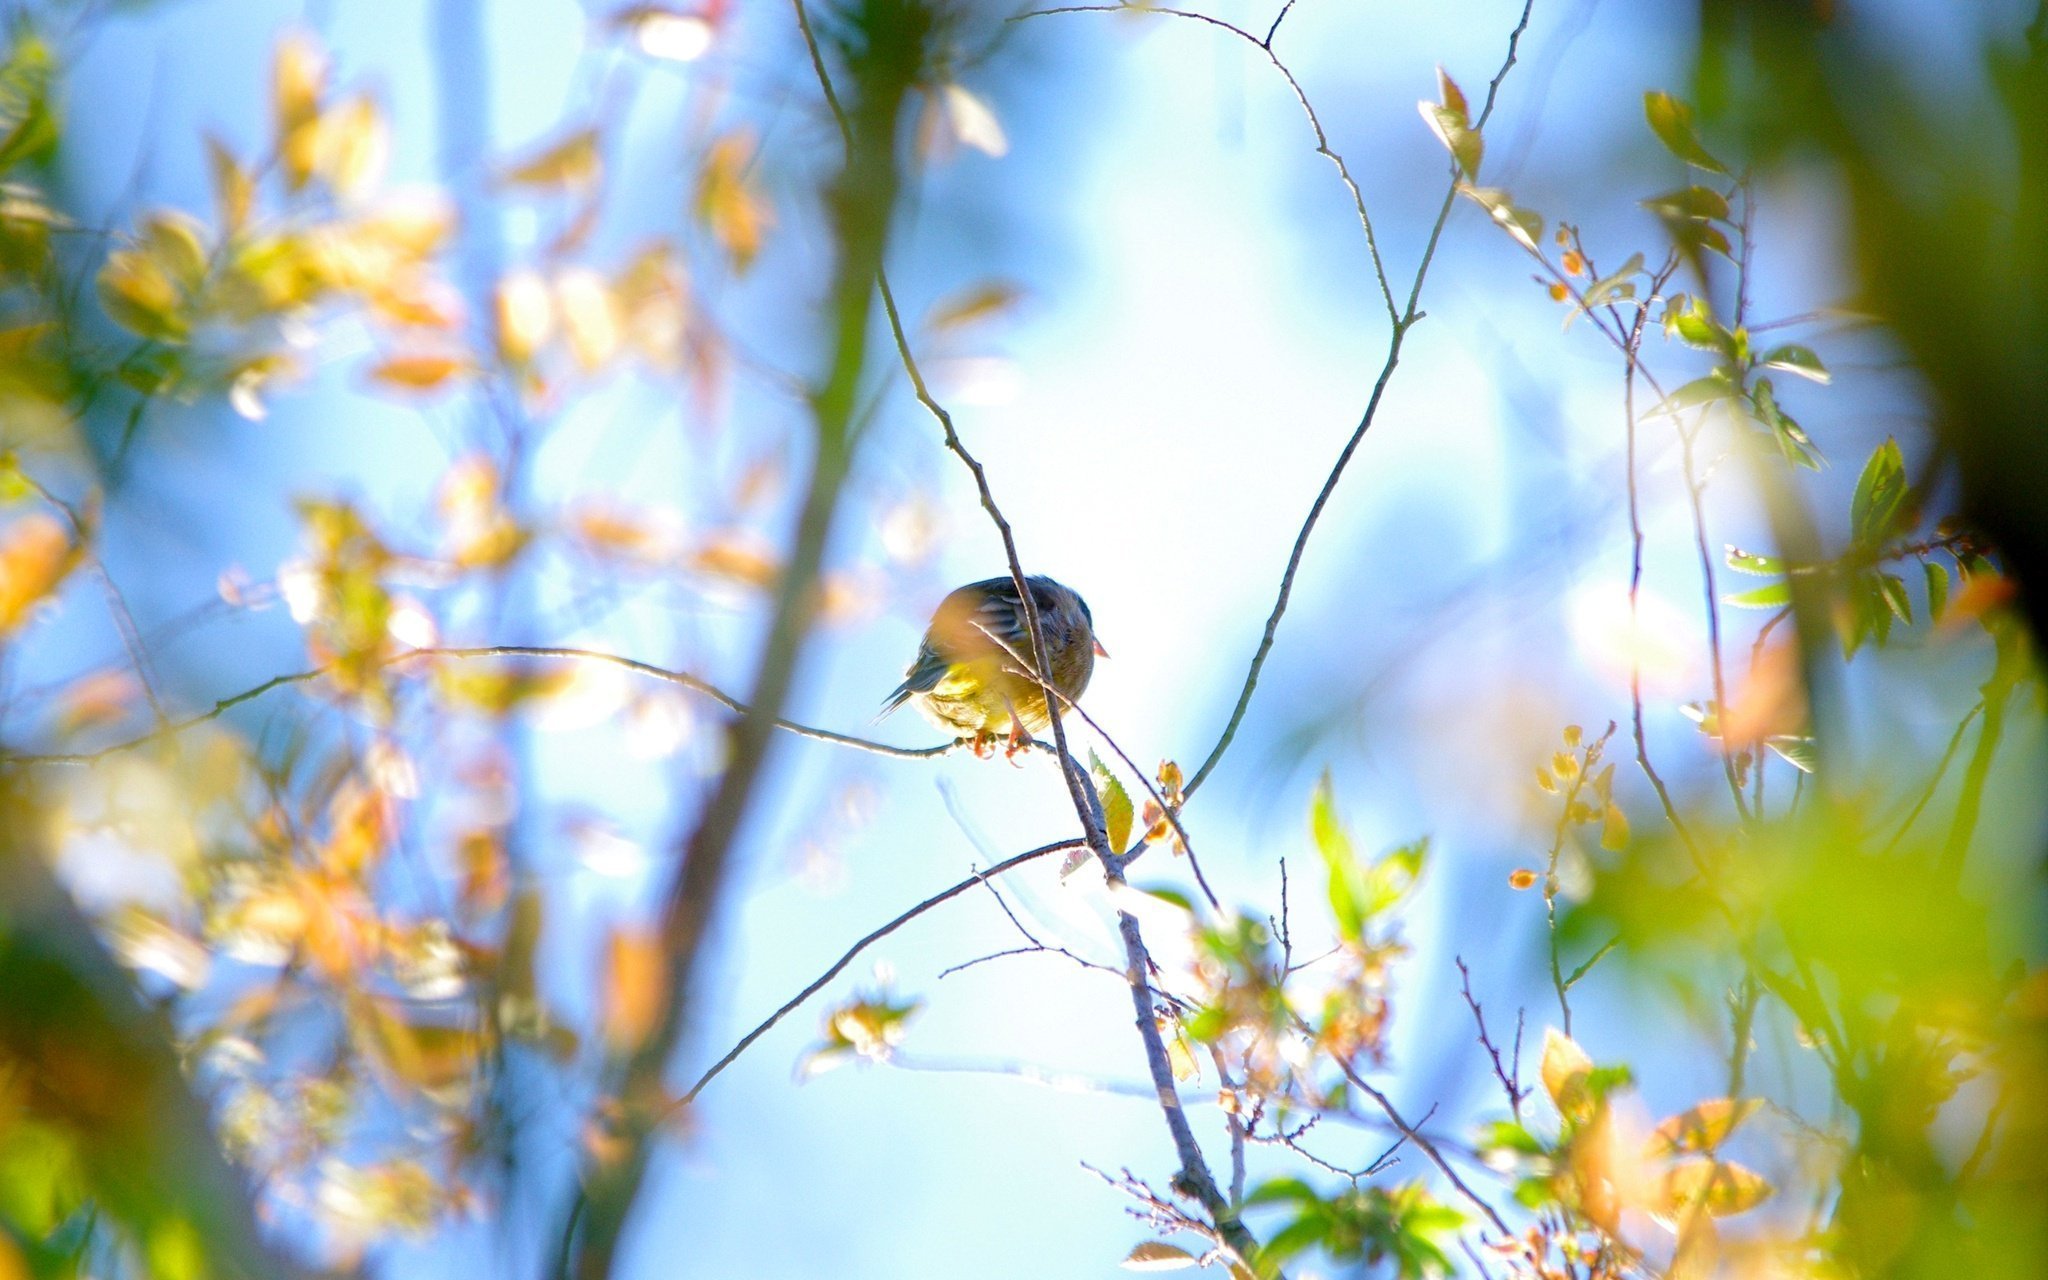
[[1701, 1128], [590, 318], [1565, 1070], [234, 188], [420, 371], [354, 146], [636, 978], [1613, 827], [572, 164], [979, 302], [525, 315], [727, 201], [35, 555], [298, 79], [1721, 1188]]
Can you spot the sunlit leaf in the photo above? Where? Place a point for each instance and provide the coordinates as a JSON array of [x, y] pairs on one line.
[[1792, 439], [1117, 811], [670, 34], [1467, 148], [1608, 287], [1720, 1187], [1702, 1127], [1157, 1255], [1566, 1070], [1793, 358], [589, 316], [573, 163], [634, 987], [1880, 496], [36, 554], [1772, 595], [525, 314], [976, 303], [421, 371], [1347, 907], [1671, 121], [355, 146], [298, 79], [1714, 386], [1689, 202], [1750, 562], [1937, 589], [728, 202], [973, 121], [1613, 827]]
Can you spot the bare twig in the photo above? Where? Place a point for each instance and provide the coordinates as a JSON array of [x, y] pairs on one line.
[[839, 966], [1510, 1080], [1401, 325], [1415, 1135], [683, 678]]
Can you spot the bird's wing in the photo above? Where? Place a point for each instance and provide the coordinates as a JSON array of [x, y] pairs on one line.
[[960, 632]]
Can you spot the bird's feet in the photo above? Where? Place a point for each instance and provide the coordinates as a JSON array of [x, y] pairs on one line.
[[1018, 741]]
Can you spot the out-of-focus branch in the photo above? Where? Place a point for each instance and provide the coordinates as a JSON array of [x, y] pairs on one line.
[[839, 966], [1406, 321], [693, 683], [887, 51]]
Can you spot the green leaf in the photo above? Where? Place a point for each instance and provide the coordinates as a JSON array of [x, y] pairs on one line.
[[1460, 139], [1794, 749], [1937, 589], [1880, 496], [1394, 874], [1793, 358], [1117, 812], [1772, 595], [1696, 328], [1715, 386], [1168, 895], [1347, 906], [1792, 439], [1695, 202], [1671, 121], [1749, 562], [1892, 589], [1283, 1191], [1606, 287]]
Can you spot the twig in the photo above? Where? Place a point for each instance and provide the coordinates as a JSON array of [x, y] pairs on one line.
[[1510, 1081], [1948, 756], [1416, 1136], [1405, 321], [1194, 1176], [839, 966], [648, 669]]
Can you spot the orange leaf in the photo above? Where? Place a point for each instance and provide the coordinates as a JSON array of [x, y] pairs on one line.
[[727, 201], [633, 993], [1701, 1128], [573, 164], [421, 371], [35, 556]]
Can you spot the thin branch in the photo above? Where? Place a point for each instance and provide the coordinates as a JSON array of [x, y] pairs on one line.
[[1415, 1135], [1393, 358], [839, 966], [683, 678], [1955, 741], [1510, 1081], [1194, 1176]]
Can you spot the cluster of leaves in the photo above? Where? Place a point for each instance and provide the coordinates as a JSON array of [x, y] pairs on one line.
[[1801, 908], [1600, 1168]]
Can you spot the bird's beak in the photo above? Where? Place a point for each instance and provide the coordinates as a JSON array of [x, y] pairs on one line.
[[1100, 652]]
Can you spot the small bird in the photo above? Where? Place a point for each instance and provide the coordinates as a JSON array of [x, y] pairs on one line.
[[968, 678]]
